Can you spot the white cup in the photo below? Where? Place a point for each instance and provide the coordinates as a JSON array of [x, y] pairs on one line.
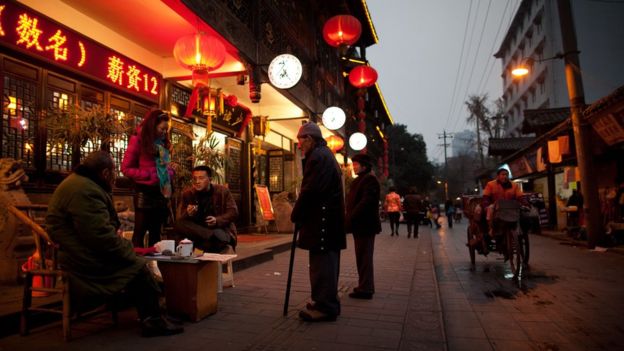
[[163, 245], [185, 248]]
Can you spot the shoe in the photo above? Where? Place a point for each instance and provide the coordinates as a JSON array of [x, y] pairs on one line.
[[159, 326], [316, 316], [361, 295]]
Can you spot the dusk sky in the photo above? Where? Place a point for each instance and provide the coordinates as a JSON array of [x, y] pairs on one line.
[[424, 75]]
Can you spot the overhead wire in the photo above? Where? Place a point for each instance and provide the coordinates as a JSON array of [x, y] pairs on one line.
[[483, 82], [467, 57], [459, 64], [474, 61]]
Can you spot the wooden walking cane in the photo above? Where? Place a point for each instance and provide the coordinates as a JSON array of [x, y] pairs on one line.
[[290, 268]]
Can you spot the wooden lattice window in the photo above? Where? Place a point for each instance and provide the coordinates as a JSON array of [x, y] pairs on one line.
[[59, 156], [19, 122]]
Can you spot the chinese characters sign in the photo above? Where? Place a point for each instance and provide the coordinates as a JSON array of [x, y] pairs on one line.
[[32, 32]]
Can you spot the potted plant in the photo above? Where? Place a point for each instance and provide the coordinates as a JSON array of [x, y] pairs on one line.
[[76, 126]]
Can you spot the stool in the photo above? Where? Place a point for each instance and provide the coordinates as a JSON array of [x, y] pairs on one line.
[[227, 277]]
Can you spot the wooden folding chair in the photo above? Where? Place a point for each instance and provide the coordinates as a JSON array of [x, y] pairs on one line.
[[47, 267]]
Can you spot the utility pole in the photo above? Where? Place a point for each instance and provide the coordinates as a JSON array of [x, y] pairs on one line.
[[589, 189], [445, 145], [479, 149]]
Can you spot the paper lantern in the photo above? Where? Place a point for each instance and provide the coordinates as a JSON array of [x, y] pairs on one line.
[[342, 30], [363, 76], [335, 143], [199, 53]]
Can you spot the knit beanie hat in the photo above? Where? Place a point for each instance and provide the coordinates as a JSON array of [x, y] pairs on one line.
[[310, 129]]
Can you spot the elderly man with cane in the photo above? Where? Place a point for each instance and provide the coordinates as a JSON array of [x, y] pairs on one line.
[[319, 217]]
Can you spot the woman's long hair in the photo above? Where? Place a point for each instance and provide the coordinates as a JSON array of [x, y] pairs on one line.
[[147, 131]]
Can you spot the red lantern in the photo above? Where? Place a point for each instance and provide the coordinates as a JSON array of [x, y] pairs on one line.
[[199, 53], [363, 76], [342, 30], [334, 143], [231, 100]]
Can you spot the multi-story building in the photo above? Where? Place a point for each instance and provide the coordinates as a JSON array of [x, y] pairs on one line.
[[535, 33]]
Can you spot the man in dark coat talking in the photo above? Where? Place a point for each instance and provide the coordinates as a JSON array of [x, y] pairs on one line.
[[319, 215], [363, 221]]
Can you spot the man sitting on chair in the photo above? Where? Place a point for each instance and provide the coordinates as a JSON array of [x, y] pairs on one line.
[[207, 214], [82, 220]]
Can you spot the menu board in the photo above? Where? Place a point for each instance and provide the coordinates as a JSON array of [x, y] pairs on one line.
[[264, 200], [233, 174]]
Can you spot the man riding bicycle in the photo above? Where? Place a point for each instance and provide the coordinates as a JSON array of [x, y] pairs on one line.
[[500, 188]]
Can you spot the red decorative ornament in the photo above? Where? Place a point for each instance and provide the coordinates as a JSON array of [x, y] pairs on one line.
[[231, 100], [342, 30], [363, 76], [199, 53], [334, 143]]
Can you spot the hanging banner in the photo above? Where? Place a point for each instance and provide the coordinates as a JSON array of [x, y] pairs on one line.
[[554, 156], [264, 200]]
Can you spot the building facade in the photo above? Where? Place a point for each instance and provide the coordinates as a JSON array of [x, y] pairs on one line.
[[535, 33], [69, 57]]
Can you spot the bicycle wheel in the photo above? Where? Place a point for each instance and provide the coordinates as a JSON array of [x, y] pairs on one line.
[[525, 249], [514, 252]]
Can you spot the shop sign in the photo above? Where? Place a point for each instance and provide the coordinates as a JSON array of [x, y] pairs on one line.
[[609, 129], [29, 31]]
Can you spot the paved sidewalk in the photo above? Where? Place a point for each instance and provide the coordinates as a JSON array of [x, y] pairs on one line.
[[405, 313]]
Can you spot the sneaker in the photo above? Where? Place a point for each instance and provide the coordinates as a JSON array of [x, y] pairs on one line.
[[159, 326], [316, 316], [361, 295]]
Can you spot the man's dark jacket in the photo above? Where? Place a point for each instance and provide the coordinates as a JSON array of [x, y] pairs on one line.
[[363, 206], [81, 218], [319, 210]]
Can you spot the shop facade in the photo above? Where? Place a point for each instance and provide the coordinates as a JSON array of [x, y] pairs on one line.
[[58, 55]]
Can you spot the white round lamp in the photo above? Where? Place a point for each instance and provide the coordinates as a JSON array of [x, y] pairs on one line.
[[357, 141], [333, 118]]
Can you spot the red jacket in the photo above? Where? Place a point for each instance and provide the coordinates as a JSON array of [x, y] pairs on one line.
[[140, 167]]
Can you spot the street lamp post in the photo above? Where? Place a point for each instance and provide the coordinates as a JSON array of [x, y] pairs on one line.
[[589, 188], [580, 128]]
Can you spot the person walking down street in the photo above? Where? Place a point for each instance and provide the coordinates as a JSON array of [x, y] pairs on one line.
[[319, 213], [449, 210], [207, 214], [146, 162], [82, 220], [393, 208], [362, 220], [413, 211]]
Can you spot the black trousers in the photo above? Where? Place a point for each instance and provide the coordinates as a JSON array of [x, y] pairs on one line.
[[324, 271], [207, 239], [364, 252], [413, 221], [394, 221], [148, 219], [145, 294]]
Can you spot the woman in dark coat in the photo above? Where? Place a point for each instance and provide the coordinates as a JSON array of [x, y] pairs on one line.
[[363, 221]]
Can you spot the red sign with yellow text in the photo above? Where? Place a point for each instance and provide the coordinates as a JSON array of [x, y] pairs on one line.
[[29, 31]]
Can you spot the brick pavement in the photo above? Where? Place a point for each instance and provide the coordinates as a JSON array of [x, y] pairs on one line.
[[405, 313]]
